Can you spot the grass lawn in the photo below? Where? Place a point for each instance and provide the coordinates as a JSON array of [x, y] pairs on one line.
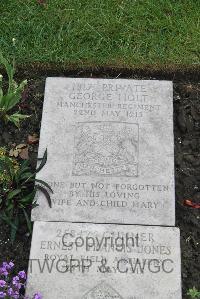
[[102, 32]]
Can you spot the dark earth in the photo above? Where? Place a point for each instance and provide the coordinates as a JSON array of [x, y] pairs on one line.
[[187, 157]]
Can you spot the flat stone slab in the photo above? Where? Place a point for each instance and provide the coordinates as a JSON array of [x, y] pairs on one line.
[[108, 261], [110, 151]]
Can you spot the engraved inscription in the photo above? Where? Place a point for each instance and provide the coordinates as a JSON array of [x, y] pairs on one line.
[[106, 149], [102, 291]]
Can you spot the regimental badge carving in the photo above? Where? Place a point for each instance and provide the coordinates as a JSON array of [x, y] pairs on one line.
[[102, 291], [106, 149]]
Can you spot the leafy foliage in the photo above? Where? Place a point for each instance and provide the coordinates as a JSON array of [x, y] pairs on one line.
[[193, 293], [12, 96], [18, 186]]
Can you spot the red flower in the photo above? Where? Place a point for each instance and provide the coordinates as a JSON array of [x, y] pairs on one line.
[[191, 204]]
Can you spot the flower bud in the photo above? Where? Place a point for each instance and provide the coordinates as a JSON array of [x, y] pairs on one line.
[[14, 41]]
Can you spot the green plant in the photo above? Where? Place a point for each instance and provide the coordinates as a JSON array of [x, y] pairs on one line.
[[18, 186], [193, 293], [12, 96]]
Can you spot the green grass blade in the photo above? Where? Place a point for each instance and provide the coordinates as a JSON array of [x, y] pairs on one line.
[[28, 221], [45, 184], [46, 193], [9, 69], [14, 229], [13, 193], [43, 162]]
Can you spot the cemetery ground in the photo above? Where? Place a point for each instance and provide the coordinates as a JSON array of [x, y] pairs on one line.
[[187, 162], [102, 39]]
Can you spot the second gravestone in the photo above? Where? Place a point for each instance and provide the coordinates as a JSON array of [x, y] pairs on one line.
[[108, 261], [110, 151]]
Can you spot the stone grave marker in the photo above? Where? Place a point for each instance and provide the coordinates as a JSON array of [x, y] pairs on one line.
[[110, 151], [94, 261]]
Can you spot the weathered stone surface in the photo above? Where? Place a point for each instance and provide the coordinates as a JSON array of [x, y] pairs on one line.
[[93, 261], [110, 151]]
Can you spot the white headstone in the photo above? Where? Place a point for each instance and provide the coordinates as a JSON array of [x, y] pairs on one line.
[[110, 151], [96, 261]]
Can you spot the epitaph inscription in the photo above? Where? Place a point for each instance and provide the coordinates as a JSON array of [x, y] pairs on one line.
[[96, 261], [110, 151]]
